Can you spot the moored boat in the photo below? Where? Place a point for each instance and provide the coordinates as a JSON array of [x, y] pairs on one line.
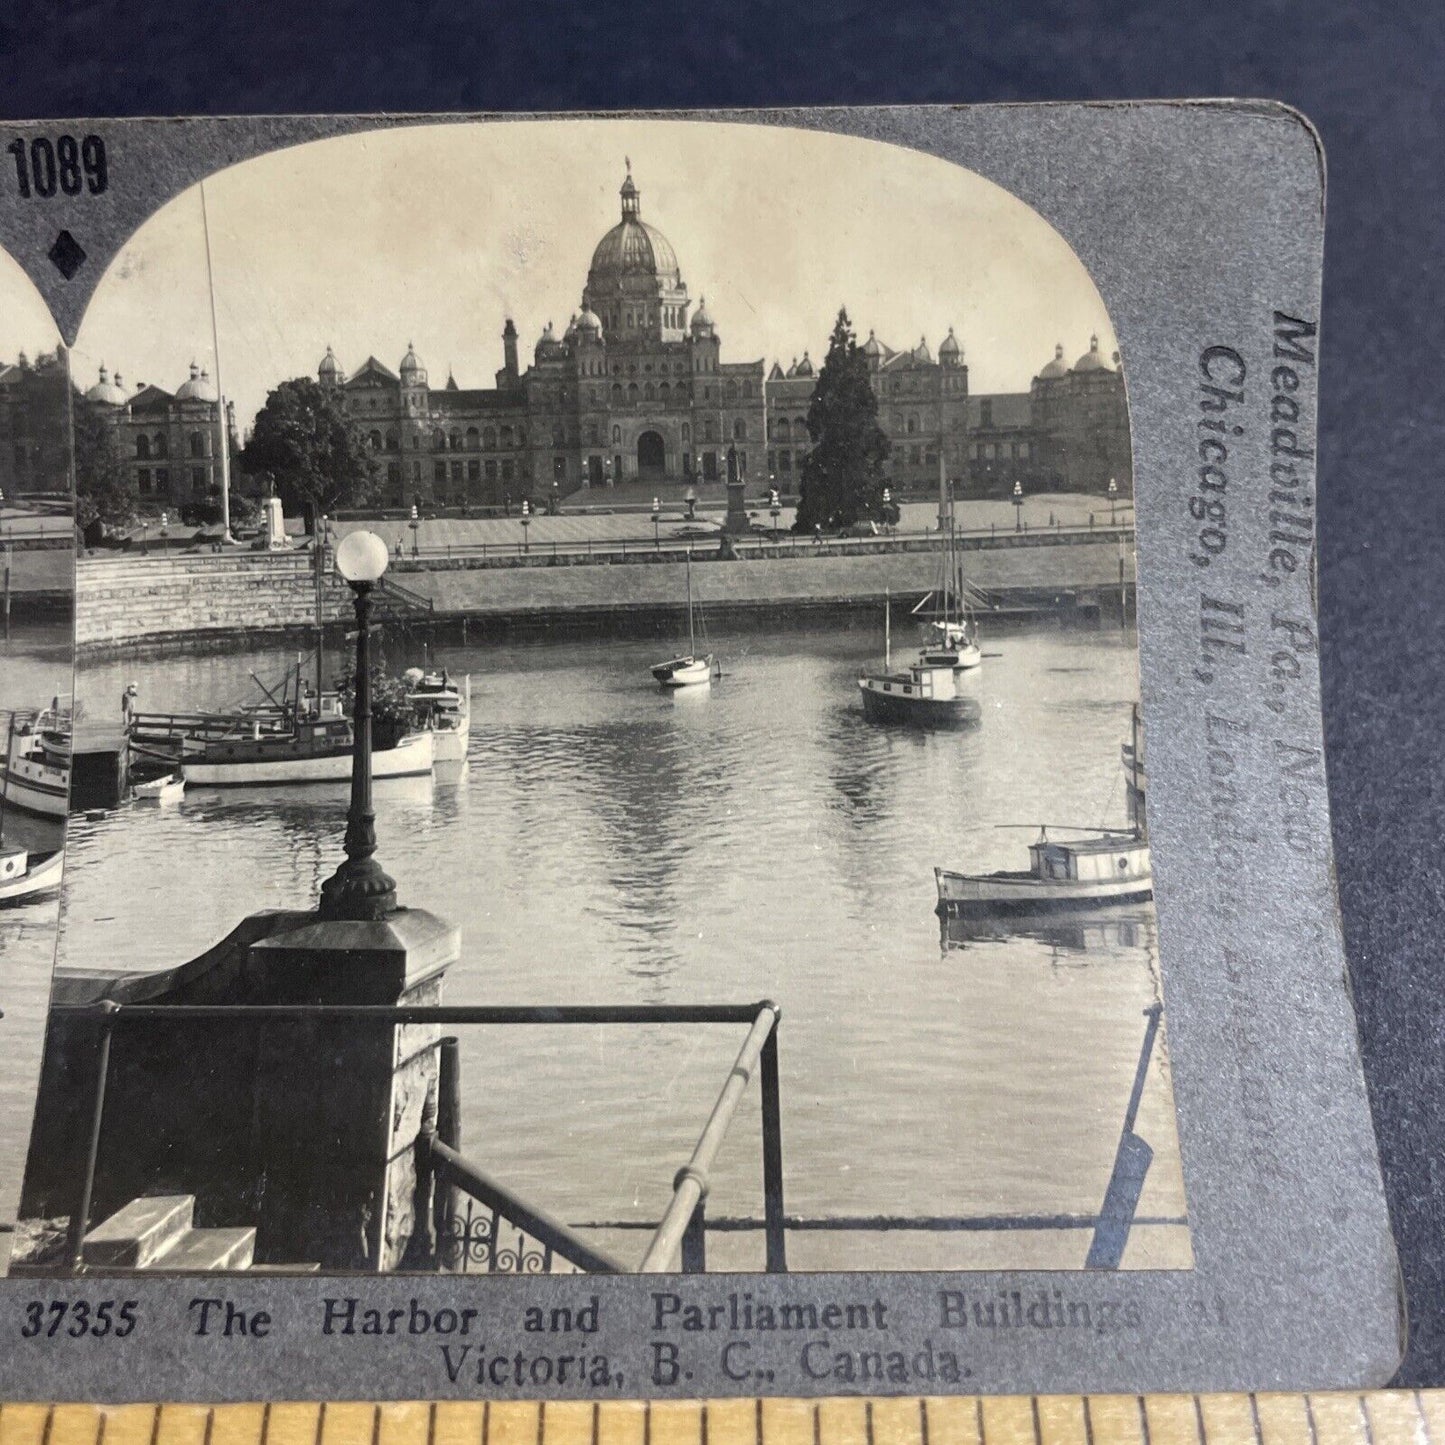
[[35, 774], [1103, 867], [443, 707], [930, 692], [28, 875], [164, 789], [689, 669], [925, 695], [950, 633], [317, 751], [1109, 867]]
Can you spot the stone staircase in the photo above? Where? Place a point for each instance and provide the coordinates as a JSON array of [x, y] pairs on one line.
[[158, 1232]]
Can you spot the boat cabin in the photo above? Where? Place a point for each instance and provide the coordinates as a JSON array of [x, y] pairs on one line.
[[1092, 860]]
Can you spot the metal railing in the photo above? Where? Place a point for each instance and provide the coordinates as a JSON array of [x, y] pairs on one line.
[[681, 1230], [763, 540]]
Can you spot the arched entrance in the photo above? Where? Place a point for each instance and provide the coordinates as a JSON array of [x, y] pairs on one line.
[[651, 457]]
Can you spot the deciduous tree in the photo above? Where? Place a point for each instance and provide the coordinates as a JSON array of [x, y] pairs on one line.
[[304, 442], [105, 501]]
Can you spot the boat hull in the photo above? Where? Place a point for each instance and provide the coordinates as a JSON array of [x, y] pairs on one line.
[[412, 756], [36, 788], [446, 713], [42, 874], [961, 894], [684, 672], [449, 745], [913, 710]]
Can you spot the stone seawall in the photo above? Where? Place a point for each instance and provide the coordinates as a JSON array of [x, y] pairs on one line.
[[122, 601]]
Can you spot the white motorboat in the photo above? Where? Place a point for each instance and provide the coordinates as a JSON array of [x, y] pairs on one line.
[[29, 875], [1105, 866], [1108, 867], [443, 707], [35, 774], [689, 669], [317, 752], [165, 789]]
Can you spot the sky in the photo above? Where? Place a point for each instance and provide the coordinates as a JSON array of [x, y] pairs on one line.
[[433, 235]]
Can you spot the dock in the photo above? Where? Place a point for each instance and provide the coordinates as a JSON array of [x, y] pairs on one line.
[[99, 765]]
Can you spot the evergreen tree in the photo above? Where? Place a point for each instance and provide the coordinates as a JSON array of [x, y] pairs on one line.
[[317, 457], [104, 499], [843, 474]]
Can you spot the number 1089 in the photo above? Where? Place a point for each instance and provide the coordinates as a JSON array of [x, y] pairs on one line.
[[64, 164]]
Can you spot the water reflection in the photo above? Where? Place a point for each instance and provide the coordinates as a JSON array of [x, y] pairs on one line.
[[608, 842]]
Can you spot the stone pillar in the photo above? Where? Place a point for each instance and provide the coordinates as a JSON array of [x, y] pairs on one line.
[[338, 1105], [276, 540], [736, 521]]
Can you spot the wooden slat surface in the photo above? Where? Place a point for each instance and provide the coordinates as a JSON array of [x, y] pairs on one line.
[[1383, 1417]]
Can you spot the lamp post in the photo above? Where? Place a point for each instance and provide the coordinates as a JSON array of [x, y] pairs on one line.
[[360, 889], [556, 499], [1113, 498], [775, 506], [526, 523], [415, 525], [1018, 506], [887, 508], [165, 517], [656, 519], [144, 536]]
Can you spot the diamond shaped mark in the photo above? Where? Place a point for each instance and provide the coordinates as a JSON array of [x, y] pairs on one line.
[[67, 254]]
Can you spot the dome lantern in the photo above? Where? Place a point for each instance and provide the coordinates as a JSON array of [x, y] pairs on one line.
[[1056, 367], [634, 280], [702, 319], [197, 387], [413, 373], [105, 391], [1092, 359]]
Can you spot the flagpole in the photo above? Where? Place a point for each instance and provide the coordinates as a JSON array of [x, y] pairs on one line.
[[220, 390]]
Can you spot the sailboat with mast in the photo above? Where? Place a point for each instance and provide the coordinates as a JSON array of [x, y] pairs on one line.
[[950, 634], [688, 669]]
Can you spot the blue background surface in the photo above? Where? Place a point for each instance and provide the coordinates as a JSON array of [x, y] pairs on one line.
[[1368, 76]]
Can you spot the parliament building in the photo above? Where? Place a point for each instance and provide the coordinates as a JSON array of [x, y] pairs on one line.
[[635, 390]]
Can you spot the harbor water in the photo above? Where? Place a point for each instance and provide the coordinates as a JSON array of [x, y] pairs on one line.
[[34, 667], [954, 1101]]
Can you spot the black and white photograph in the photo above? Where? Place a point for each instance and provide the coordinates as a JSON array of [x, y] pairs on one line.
[[646, 610], [37, 553]]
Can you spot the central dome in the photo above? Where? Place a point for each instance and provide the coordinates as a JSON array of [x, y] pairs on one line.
[[632, 250]]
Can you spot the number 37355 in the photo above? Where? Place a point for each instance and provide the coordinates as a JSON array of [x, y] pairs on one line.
[[78, 1318], [66, 165]]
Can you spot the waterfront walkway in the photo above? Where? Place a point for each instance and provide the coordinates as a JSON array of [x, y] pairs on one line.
[[624, 532]]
